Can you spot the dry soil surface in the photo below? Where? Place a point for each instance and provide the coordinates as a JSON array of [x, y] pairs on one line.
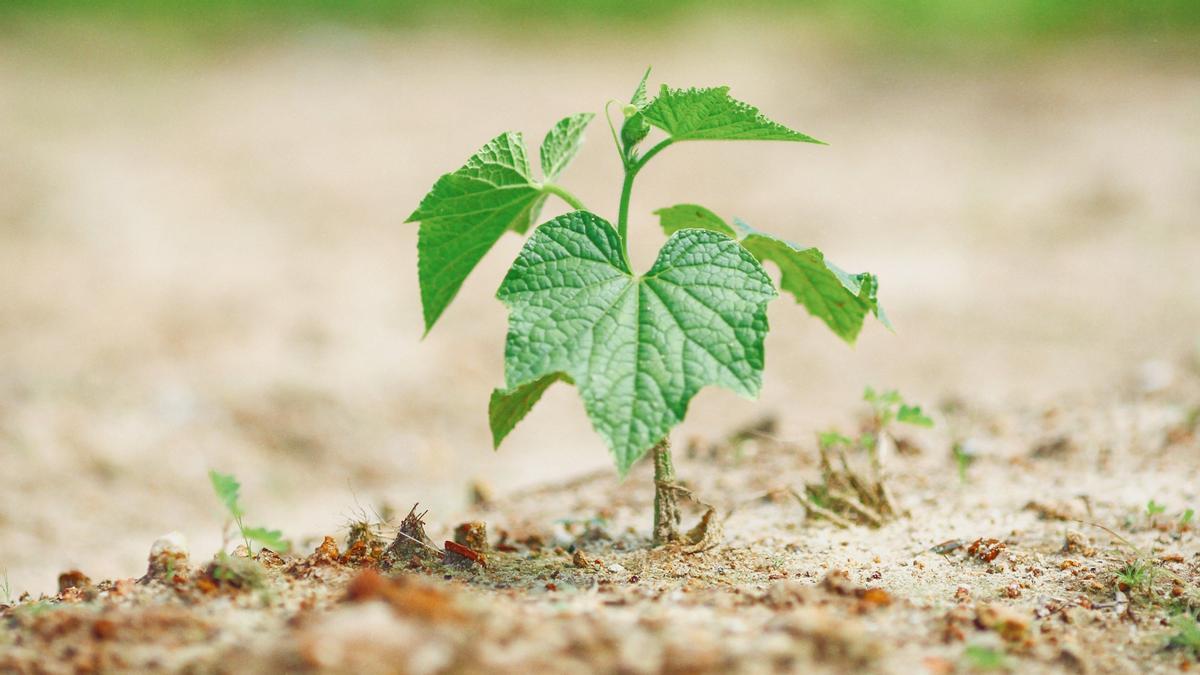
[[1016, 564]]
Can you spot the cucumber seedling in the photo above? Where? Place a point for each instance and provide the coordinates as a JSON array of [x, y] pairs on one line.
[[637, 346]]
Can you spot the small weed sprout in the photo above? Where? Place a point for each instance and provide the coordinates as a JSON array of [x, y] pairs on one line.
[[1185, 519], [1186, 636], [846, 495], [982, 657], [1136, 575], [228, 491], [962, 459], [1143, 571]]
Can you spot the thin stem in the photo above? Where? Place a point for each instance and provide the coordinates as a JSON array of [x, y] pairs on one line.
[[662, 145], [613, 130], [558, 191], [623, 212], [631, 171]]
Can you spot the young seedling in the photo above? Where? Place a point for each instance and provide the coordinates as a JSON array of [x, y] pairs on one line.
[[1186, 637], [637, 346], [848, 495], [228, 489], [984, 658], [1139, 575]]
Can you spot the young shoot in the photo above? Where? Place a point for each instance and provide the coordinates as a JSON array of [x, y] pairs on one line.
[[638, 345], [228, 491]]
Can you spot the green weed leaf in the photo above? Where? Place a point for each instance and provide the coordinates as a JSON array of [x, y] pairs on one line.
[[638, 348], [272, 539], [912, 414], [227, 489], [711, 114], [562, 143], [840, 299]]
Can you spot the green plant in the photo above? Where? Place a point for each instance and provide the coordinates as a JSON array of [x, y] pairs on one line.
[[1137, 574], [890, 406], [228, 491], [1153, 508], [638, 347], [962, 459], [1186, 517], [981, 657], [1187, 634]]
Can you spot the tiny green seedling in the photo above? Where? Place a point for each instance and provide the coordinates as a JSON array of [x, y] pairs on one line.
[[1136, 575], [847, 495], [1186, 636], [890, 406], [1153, 508], [984, 658], [637, 346], [962, 459], [228, 491]]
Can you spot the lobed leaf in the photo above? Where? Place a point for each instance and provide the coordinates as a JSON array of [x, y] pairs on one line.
[[712, 114], [638, 348], [465, 214], [839, 299], [562, 143], [467, 211]]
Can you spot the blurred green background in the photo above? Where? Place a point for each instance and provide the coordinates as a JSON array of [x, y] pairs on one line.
[[919, 24]]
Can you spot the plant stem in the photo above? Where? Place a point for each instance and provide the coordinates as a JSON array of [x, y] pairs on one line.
[[631, 171], [558, 191], [623, 211], [666, 507]]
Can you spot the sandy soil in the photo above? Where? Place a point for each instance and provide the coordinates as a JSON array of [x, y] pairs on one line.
[[999, 571], [202, 265]]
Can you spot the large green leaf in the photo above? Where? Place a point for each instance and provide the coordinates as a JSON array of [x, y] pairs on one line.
[[638, 348], [840, 299], [465, 214], [467, 211], [712, 114], [561, 144]]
